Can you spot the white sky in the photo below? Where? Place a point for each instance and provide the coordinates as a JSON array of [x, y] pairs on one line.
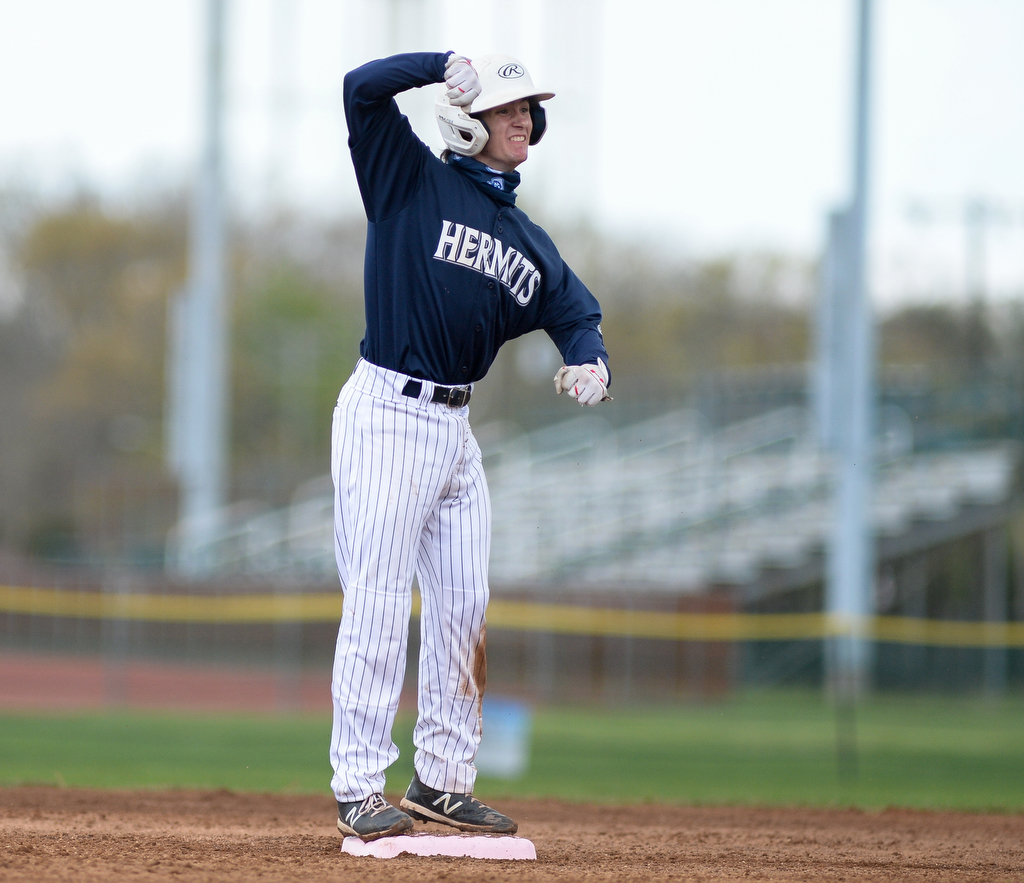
[[699, 125]]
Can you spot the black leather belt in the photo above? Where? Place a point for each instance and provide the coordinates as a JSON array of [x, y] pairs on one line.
[[452, 396]]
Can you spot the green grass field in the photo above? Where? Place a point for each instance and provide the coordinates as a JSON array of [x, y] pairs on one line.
[[777, 748]]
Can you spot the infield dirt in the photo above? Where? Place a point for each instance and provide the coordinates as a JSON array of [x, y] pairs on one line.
[[63, 834]]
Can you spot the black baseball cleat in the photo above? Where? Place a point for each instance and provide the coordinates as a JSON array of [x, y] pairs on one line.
[[372, 818], [462, 811]]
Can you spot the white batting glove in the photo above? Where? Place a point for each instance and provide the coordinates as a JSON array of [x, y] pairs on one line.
[[462, 81], [588, 384]]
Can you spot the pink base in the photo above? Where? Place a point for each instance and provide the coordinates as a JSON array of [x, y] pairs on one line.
[[466, 845]]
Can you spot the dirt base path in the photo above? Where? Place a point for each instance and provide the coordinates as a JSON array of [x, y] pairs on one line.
[[64, 834]]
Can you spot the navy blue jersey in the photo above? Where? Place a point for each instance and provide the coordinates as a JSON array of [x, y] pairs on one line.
[[451, 273]]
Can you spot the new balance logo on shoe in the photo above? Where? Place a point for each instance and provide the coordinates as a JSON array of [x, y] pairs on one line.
[[446, 799]]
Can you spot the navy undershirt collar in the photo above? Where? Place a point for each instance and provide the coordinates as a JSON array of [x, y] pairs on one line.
[[498, 185]]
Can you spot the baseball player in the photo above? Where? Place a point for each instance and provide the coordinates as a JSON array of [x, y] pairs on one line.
[[453, 270]]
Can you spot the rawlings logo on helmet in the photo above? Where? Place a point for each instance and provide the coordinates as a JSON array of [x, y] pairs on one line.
[[511, 71]]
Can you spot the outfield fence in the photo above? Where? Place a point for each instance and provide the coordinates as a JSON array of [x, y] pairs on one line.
[[523, 616], [588, 647]]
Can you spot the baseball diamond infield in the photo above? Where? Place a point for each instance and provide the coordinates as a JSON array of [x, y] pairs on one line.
[[61, 834], [50, 833]]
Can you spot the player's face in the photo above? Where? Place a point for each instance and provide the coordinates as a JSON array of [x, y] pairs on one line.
[[510, 126]]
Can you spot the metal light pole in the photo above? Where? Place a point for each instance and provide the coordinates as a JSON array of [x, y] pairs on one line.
[[844, 400], [198, 375], [844, 396], [851, 570]]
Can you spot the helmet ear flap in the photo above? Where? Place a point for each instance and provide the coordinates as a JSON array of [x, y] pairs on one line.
[[461, 133], [540, 122], [479, 117]]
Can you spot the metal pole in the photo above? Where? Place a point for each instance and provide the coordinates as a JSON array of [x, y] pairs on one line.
[[850, 588], [199, 400]]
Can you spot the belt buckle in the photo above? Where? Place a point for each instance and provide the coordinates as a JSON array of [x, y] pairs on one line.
[[457, 396]]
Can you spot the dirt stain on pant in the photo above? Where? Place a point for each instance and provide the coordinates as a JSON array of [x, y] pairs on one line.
[[480, 665], [473, 677]]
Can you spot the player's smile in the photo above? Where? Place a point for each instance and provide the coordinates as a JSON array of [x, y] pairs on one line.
[[510, 126]]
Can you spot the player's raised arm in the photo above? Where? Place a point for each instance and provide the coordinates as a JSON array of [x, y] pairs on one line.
[[369, 90], [386, 154]]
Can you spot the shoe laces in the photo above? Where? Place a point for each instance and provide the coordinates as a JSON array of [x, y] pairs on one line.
[[374, 804]]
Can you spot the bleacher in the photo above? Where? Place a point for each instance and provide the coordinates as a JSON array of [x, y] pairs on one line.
[[669, 505]]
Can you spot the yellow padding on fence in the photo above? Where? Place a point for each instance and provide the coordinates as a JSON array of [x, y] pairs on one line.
[[305, 607], [574, 620], [515, 616], [947, 633]]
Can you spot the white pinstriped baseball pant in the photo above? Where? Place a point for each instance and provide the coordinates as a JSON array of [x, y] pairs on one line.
[[410, 498]]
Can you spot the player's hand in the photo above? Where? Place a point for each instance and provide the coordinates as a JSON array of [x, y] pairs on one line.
[[588, 384], [462, 81]]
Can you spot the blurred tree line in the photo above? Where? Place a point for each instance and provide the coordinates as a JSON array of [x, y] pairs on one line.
[[84, 293], [83, 335]]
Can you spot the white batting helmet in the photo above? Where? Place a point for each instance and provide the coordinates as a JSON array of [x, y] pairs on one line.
[[502, 79]]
